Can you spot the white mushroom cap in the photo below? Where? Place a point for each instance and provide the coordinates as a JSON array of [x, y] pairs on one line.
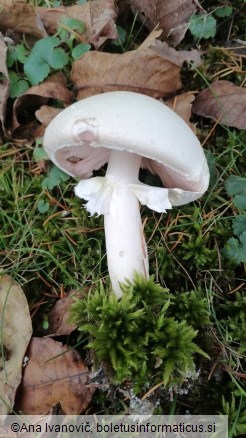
[[80, 138]]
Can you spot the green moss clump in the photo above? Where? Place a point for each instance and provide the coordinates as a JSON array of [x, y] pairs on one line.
[[135, 337], [192, 306]]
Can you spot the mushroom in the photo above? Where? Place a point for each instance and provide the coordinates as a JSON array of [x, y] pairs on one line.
[[127, 130]]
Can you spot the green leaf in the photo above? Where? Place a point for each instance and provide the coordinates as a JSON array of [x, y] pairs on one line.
[[39, 154], [122, 35], [45, 323], [43, 206], [72, 23], [55, 177], [223, 11], [17, 86], [67, 29], [202, 26], [235, 250], [44, 56], [80, 50], [239, 225], [16, 53], [236, 187]]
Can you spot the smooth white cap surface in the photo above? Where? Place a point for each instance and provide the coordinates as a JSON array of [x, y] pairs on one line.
[[79, 140]]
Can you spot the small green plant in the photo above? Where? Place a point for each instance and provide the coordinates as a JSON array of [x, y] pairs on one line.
[[236, 187], [68, 30], [16, 55], [135, 337], [45, 55], [30, 67], [235, 248], [204, 25], [53, 179]]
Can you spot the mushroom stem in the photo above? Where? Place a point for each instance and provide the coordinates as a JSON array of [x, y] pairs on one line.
[[125, 243], [123, 166]]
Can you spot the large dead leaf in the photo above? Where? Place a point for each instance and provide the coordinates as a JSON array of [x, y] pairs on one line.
[[20, 18], [171, 16], [15, 334], [98, 16], [55, 87], [54, 374], [224, 102], [148, 70], [139, 71]]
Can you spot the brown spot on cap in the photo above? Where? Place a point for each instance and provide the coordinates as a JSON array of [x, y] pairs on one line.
[[85, 130]]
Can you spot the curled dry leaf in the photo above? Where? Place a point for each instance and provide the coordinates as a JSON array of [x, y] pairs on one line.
[[55, 87], [171, 16], [54, 374], [224, 102], [182, 105], [98, 16], [16, 331], [176, 56], [58, 316], [142, 70], [46, 113], [21, 18]]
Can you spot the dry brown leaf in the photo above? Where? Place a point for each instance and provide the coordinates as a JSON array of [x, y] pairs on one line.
[[102, 22], [142, 70], [16, 331], [4, 83], [55, 87], [98, 16], [3, 56], [182, 105], [20, 18], [46, 113], [150, 40], [138, 71], [176, 56], [171, 16], [54, 374], [58, 316], [152, 69], [224, 102]]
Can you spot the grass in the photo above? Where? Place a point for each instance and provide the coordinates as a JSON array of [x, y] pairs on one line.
[[63, 248], [34, 242]]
